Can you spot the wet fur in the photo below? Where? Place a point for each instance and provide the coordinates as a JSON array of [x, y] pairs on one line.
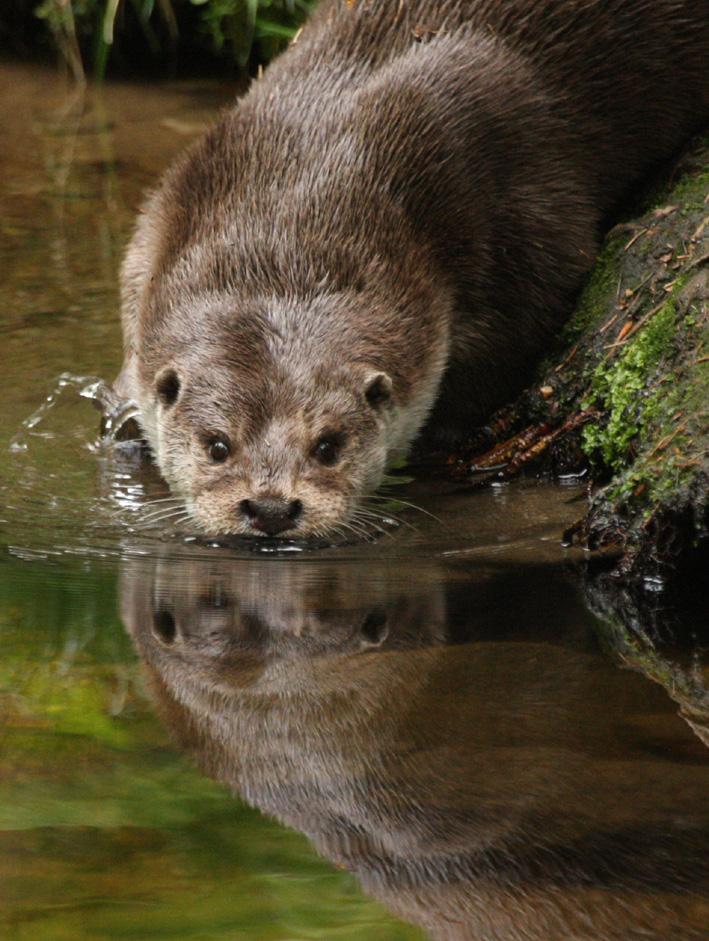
[[413, 187]]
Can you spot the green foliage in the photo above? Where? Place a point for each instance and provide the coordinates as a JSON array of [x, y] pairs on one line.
[[88, 30], [235, 24]]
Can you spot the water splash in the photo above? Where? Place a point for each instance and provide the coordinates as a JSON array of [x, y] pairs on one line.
[[30, 427]]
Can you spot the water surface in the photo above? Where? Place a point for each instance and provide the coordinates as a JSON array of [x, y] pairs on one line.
[[427, 735]]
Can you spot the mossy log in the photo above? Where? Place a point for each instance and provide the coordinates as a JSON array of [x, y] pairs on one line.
[[626, 396]]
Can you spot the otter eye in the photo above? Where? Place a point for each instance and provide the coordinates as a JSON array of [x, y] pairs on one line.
[[164, 625], [168, 387], [327, 449], [374, 628], [218, 450]]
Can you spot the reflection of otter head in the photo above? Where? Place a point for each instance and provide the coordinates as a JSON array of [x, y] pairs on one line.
[[480, 789], [264, 626]]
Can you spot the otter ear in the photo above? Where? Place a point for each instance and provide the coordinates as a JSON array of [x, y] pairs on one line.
[[167, 386], [378, 389]]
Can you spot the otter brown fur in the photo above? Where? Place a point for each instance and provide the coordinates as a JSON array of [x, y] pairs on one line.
[[388, 228]]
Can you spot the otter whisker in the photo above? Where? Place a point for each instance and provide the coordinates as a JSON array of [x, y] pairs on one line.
[[325, 532], [370, 526], [337, 531], [378, 516], [163, 501], [370, 518], [158, 507], [357, 530], [391, 516], [160, 520], [174, 523], [162, 516], [387, 499], [186, 517], [346, 532]]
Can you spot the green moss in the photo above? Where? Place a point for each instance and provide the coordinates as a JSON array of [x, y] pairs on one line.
[[685, 185], [621, 390], [653, 405], [692, 191], [594, 303], [689, 192]]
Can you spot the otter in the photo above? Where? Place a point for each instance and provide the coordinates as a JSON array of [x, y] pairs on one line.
[[519, 788], [379, 239]]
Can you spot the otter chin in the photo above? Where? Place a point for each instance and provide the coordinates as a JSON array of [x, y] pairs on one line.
[[380, 239]]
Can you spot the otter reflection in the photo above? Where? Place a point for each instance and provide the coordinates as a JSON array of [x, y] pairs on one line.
[[516, 790]]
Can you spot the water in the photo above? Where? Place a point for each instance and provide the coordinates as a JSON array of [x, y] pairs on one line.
[[428, 735]]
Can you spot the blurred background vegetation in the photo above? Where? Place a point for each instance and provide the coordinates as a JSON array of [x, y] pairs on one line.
[[168, 37]]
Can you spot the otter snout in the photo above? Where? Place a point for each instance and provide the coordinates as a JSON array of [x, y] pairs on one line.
[[271, 516]]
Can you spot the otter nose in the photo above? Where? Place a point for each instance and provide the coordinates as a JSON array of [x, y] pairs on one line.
[[271, 516]]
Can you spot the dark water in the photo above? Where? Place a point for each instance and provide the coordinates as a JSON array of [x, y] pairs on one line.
[[429, 735]]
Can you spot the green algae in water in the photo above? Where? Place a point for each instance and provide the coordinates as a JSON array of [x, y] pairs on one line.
[[106, 831]]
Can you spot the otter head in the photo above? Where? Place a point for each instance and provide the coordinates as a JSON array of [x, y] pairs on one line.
[[274, 419]]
